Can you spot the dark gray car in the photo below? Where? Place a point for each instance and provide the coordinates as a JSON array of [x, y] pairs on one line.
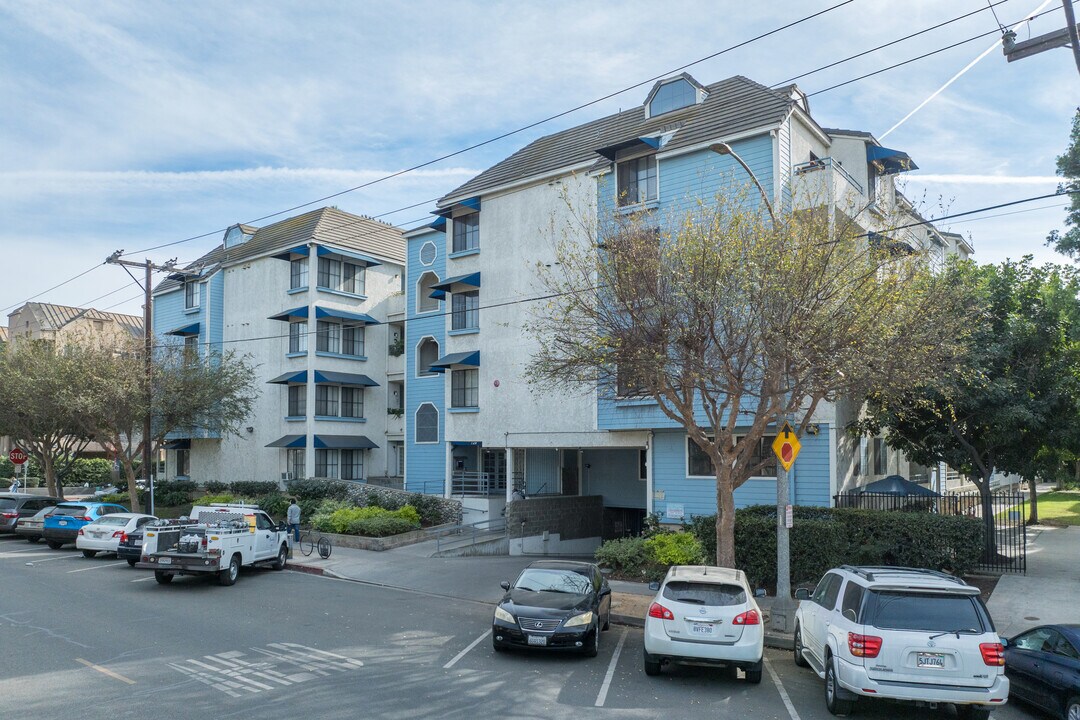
[[20, 505]]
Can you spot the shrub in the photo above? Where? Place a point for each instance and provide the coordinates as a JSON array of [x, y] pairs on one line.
[[215, 487], [275, 505], [172, 498], [626, 556], [118, 498], [344, 519], [210, 499], [314, 489], [252, 488], [95, 471], [677, 548], [430, 508], [380, 526]]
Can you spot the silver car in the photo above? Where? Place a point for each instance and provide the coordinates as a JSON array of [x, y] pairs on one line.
[[30, 528], [16, 506]]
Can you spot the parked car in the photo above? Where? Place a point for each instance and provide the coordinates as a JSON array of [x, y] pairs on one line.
[[62, 525], [553, 604], [15, 505], [105, 490], [704, 616], [104, 534], [1043, 667], [130, 546], [902, 634], [31, 527]]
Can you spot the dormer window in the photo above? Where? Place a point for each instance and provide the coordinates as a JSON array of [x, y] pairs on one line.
[[675, 94]]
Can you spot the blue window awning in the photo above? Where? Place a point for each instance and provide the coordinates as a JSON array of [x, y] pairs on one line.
[[889, 161], [327, 377], [466, 443], [343, 315], [645, 142], [289, 441], [350, 254], [299, 313], [293, 253], [455, 284], [185, 330], [892, 245], [472, 203], [290, 378], [343, 442], [438, 224], [462, 359]]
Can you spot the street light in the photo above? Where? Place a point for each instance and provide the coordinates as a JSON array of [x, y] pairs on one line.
[[725, 149]]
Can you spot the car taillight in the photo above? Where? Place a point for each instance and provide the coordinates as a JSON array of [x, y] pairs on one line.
[[87, 518], [11, 515], [80, 531], [204, 542], [656, 610], [120, 534], [993, 653], [750, 617], [863, 645]]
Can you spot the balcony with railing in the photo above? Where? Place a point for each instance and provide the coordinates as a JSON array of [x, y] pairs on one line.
[[824, 181], [465, 483]]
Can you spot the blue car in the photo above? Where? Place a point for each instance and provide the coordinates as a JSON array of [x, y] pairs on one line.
[[62, 525], [1043, 667]]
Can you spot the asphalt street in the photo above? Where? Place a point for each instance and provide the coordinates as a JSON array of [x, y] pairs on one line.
[[97, 639]]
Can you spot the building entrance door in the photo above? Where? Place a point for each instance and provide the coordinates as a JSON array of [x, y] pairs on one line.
[[571, 484]]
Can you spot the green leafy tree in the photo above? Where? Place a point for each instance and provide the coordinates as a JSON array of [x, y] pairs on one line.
[[729, 321], [1068, 167], [1013, 405]]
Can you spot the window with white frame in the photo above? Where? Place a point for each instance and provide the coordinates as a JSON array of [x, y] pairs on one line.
[[296, 462], [352, 402], [426, 428], [427, 352], [466, 232], [298, 335], [297, 400], [637, 180], [191, 294], [465, 313], [424, 287], [298, 270], [341, 275], [699, 464], [339, 338], [465, 388], [340, 464], [326, 400]]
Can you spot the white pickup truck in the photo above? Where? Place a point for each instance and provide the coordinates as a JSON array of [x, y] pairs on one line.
[[216, 539]]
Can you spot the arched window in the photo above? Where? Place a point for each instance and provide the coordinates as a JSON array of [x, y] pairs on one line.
[[424, 301], [427, 352], [427, 424]]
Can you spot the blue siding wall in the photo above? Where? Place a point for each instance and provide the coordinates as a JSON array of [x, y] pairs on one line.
[[615, 474], [169, 315], [425, 465], [809, 478]]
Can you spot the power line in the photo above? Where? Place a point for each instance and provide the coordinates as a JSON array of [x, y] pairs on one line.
[[54, 287]]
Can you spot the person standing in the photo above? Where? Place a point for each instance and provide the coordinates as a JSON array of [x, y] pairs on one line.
[[292, 518]]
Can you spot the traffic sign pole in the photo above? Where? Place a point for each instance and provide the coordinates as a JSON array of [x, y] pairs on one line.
[[786, 446]]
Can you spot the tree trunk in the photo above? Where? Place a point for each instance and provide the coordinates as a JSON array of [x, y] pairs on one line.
[[49, 471], [725, 519], [1033, 518], [989, 532], [133, 490]]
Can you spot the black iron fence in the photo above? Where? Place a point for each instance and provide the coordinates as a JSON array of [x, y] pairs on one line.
[[1004, 516]]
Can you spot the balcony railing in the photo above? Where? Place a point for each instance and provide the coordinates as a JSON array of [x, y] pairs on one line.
[[825, 181], [476, 484]]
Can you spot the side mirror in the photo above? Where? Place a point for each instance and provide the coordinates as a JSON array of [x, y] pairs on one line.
[[802, 594], [282, 527], [605, 591], [504, 585], [1004, 641], [654, 586]]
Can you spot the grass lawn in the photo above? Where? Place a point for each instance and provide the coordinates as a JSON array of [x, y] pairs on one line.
[[1060, 508]]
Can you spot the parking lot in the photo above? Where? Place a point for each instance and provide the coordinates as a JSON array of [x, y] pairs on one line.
[[105, 639]]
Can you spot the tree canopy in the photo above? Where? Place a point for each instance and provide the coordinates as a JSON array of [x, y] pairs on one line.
[[1068, 167]]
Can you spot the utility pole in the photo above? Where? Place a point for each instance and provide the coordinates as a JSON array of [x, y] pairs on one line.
[[148, 346], [1068, 36]]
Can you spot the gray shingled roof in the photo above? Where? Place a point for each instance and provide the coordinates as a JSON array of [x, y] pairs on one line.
[[54, 317], [327, 225], [733, 106]]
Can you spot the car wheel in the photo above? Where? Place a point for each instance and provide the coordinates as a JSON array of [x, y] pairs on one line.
[[592, 649], [54, 544], [833, 703], [652, 666], [971, 712], [799, 659], [132, 561], [163, 578], [228, 575], [282, 558], [607, 621], [753, 674], [89, 553], [1072, 708]]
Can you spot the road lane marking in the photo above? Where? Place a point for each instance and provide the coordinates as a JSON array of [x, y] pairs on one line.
[[602, 697], [780, 689], [105, 671], [95, 567], [8, 552], [57, 557], [148, 577], [465, 652]]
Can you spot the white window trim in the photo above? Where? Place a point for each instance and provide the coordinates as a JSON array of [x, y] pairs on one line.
[[686, 462], [419, 284], [416, 357], [438, 417], [634, 207], [420, 254]]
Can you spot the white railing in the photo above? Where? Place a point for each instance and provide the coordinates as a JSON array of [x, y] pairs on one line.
[[464, 483]]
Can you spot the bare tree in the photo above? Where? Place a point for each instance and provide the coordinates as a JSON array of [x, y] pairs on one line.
[[731, 322]]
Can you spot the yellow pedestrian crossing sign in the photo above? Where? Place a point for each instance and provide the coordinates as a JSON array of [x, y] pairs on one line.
[[786, 446]]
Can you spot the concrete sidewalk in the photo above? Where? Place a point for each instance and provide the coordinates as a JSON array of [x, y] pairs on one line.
[[1049, 592]]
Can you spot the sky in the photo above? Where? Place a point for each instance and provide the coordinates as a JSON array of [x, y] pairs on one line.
[[129, 125]]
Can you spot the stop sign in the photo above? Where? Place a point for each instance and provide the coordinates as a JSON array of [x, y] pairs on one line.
[[17, 456]]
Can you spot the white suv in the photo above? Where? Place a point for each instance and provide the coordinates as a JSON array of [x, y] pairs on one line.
[[704, 616], [904, 634]]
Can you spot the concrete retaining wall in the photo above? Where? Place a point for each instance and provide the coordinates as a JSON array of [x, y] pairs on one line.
[[570, 525]]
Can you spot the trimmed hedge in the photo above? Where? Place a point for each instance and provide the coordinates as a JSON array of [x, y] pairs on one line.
[[252, 488], [649, 558], [353, 520]]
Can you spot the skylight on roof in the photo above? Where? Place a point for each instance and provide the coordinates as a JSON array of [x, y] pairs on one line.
[[673, 96]]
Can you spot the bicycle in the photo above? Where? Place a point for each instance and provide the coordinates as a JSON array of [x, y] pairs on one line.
[[311, 539]]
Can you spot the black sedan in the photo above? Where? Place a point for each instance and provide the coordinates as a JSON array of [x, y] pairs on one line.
[[1043, 667], [130, 547], [554, 605]]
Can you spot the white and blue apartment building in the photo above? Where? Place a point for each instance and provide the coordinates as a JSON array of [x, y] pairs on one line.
[[315, 301], [475, 428]]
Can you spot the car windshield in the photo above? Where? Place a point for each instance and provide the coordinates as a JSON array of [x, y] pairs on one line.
[[71, 510], [549, 580], [710, 594], [112, 520], [926, 612], [6, 503]]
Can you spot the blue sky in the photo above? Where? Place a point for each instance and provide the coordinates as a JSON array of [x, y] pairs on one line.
[[132, 124]]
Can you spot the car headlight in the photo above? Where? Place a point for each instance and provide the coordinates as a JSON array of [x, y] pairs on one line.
[[582, 619], [501, 614]]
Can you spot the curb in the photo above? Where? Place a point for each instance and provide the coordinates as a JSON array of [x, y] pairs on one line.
[[780, 641], [628, 620]]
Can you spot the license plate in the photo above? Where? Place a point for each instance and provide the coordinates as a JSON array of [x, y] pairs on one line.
[[137, 543], [538, 640], [165, 561], [63, 522], [930, 660], [702, 628]]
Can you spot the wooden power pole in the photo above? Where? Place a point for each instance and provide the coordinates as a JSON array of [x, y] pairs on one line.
[[1068, 36]]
